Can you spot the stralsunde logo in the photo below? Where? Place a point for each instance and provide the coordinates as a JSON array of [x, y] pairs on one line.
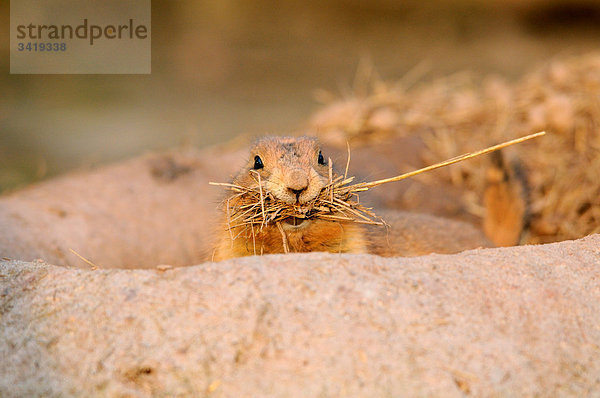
[[75, 36]]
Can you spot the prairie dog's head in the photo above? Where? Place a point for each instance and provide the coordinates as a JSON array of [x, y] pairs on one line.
[[292, 169]]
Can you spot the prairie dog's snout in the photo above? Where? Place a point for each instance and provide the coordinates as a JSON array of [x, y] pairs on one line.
[[298, 181], [295, 186], [293, 170]]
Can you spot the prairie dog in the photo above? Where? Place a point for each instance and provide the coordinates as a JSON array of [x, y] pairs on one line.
[[295, 171]]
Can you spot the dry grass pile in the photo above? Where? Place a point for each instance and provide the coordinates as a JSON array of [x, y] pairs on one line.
[[460, 113]]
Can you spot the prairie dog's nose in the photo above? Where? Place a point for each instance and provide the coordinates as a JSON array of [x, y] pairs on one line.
[[296, 192], [298, 182]]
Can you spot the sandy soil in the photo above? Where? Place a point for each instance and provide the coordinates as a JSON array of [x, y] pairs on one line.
[[496, 322], [139, 213]]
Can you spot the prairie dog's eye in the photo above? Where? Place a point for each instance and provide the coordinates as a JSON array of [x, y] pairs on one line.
[[258, 163], [321, 158]]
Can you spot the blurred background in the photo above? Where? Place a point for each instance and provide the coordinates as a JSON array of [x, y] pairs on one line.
[[229, 67]]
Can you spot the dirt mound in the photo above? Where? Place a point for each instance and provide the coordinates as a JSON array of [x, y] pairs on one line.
[[150, 210], [496, 322]]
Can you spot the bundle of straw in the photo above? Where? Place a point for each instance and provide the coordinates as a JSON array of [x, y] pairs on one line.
[[337, 201]]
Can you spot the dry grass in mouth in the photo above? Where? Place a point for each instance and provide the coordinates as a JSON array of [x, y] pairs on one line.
[[338, 201]]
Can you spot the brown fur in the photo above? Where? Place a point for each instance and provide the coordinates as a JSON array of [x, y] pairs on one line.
[[292, 163], [506, 200], [414, 234], [319, 236]]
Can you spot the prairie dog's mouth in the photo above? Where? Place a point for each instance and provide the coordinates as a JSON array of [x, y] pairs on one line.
[[295, 222]]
